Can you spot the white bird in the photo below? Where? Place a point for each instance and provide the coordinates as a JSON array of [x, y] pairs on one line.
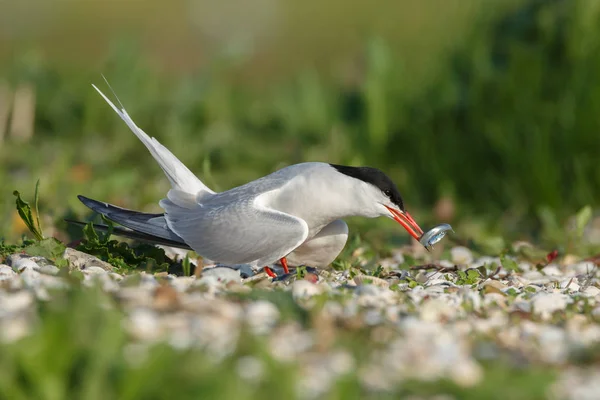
[[294, 214]]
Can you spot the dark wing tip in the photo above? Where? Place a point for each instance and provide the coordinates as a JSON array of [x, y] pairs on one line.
[[85, 200], [75, 222], [95, 205]]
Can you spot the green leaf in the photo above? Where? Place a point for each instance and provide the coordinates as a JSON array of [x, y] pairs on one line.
[[469, 277], [509, 264], [8, 249], [90, 234], [106, 236], [483, 271], [582, 218], [413, 284], [378, 271], [186, 266], [26, 215], [50, 248], [120, 254], [473, 275], [35, 204]]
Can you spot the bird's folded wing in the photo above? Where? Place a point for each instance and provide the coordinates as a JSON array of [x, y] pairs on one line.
[[243, 231]]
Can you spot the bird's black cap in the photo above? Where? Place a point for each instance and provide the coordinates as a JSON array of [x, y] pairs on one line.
[[376, 178]]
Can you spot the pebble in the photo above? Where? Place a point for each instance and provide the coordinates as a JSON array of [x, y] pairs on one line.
[[302, 289], [547, 303], [19, 264], [223, 274], [80, 260], [551, 270], [461, 255], [427, 325], [15, 302], [251, 369], [261, 316], [6, 273], [144, 325], [370, 280], [49, 269]]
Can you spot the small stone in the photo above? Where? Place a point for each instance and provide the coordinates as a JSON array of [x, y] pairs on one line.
[[368, 290], [209, 283], [592, 291], [554, 342], [223, 274], [49, 269], [144, 325], [235, 287], [492, 286], [398, 256], [6, 273], [422, 276], [370, 280], [30, 277], [80, 260], [15, 259], [461, 255], [20, 264], [148, 281], [433, 310], [547, 303], [166, 298], [525, 266], [494, 298], [302, 289], [551, 270], [92, 270], [261, 316], [15, 329], [52, 282], [467, 373], [250, 369], [182, 283], [570, 259], [521, 306], [584, 268], [115, 276], [570, 284], [532, 275], [15, 303]]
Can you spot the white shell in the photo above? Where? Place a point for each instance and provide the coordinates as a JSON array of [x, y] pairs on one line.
[[434, 235]]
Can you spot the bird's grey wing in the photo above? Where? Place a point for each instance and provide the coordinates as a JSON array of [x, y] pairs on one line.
[[237, 231]]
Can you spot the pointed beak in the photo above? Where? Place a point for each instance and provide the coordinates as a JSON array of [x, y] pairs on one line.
[[407, 222]]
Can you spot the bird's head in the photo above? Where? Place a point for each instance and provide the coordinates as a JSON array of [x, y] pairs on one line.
[[382, 196]]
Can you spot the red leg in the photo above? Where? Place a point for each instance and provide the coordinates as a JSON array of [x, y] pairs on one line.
[[284, 265], [270, 272]]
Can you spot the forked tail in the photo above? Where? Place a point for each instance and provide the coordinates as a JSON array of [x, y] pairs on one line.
[[142, 226]]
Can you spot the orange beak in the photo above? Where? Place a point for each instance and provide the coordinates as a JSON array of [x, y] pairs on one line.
[[407, 222]]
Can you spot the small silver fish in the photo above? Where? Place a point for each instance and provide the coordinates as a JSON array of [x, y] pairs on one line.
[[434, 235]]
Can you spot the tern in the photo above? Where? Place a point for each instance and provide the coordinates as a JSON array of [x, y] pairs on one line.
[[292, 215]]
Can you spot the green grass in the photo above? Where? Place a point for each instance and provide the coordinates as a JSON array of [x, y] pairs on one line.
[[504, 127], [80, 351]]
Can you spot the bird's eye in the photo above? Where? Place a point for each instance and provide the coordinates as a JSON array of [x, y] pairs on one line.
[[388, 193]]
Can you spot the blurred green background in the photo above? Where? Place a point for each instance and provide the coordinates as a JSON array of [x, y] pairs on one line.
[[486, 114]]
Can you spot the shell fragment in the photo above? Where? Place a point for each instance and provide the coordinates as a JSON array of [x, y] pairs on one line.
[[434, 235]]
